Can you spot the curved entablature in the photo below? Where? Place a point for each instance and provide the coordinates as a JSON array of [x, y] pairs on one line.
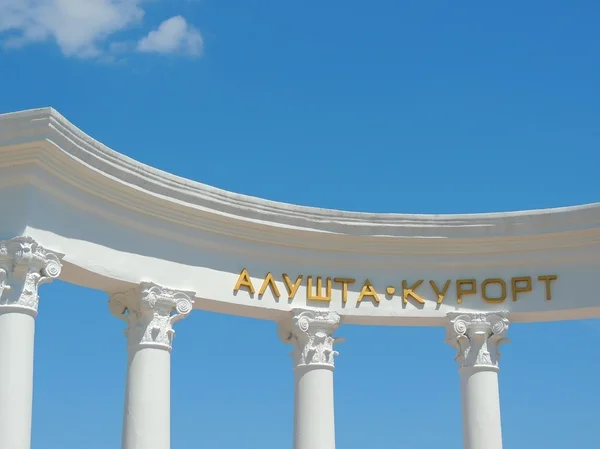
[[47, 124], [119, 222]]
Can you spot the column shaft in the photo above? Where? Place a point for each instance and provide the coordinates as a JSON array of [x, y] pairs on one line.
[[147, 414], [16, 379], [480, 409], [24, 266], [314, 423]]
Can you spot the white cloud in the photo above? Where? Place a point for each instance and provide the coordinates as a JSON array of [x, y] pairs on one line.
[[174, 35], [87, 28]]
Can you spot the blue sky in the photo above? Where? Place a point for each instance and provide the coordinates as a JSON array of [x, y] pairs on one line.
[[417, 107]]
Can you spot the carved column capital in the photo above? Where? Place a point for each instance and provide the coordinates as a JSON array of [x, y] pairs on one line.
[[24, 266], [477, 337], [311, 334], [150, 312]]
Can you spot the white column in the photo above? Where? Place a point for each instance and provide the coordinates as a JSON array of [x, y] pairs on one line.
[[150, 312], [477, 336], [24, 266], [311, 334]]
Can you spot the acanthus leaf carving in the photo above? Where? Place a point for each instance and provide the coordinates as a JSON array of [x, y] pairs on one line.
[[477, 338], [150, 312], [311, 334], [24, 266]]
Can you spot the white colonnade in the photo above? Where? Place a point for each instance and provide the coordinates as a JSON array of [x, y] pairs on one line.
[[120, 222], [151, 310]]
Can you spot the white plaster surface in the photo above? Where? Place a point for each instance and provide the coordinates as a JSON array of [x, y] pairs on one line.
[[481, 409], [147, 414], [314, 421], [16, 379], [120, 222]]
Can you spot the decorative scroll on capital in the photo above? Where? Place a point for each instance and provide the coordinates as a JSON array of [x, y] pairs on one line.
[[150, 312], [477, 337], [311, 334], [24, 266]]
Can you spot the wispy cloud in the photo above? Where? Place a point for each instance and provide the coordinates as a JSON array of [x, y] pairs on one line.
[[174, 35], [89, 28]]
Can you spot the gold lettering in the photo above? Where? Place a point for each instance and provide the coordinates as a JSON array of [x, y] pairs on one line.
[[292, 288], [345, 282], [317, 296], [319, 288], [547, 280], [460, 291], [484, 294], [409, 291], [244, 281], [269, 281], [368, 290], [516, 289], [440, 294]]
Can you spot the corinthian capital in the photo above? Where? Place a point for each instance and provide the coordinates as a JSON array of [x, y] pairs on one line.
[[24, 266], [311, 334], [150, 312], [477, 337]]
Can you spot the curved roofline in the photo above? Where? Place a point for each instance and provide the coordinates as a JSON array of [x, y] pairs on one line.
[[48, 124]]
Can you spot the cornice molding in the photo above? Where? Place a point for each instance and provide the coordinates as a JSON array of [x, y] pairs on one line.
[[95, 168]]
